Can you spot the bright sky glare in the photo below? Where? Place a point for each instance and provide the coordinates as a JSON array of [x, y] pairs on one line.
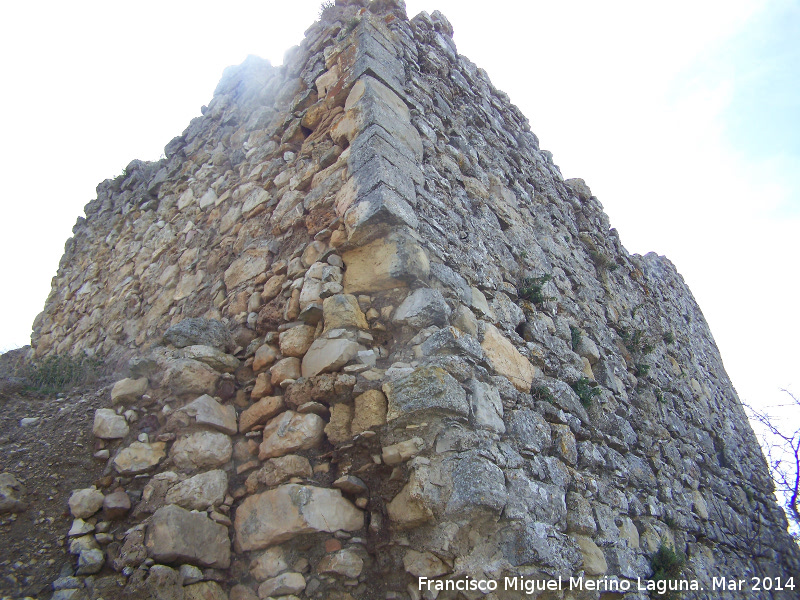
[[683, 118]]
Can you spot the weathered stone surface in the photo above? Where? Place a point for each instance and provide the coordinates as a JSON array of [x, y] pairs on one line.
[[506, 360], [204, 590], [326, 355], [197, 331], [265, 356], [252, 263], [201, 450], [423, 564], [422, 308], [338, 428], [594, 563], [207, 411], [139, 457], [12, 494], [90, 561], [116, 505], [270, 563], [394, 261], [279, 470], [487, 407], [426, 389], [108, 425], [260, 412], [216, 359], [200, 492], [126, 391], [342, 311], [282, 585], [529, 429], [287, 368], [402, 451], [187, 377], [297, 340], [345, 562], [177, 535], [289, 432], [280, 514], [369, 412]]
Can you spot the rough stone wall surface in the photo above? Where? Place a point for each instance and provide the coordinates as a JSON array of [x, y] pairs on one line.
[[398, 344]]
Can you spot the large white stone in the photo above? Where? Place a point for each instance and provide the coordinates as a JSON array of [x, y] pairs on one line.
[[290, 510], [207, 411], [201, 450], [325, 356], [108, 425], [201, 491]]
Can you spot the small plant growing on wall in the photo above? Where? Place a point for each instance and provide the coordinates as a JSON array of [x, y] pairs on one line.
[[583, 387], [531, 289], [667, 565]]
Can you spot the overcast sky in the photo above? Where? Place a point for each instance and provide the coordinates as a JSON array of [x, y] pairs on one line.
[[682, 117]]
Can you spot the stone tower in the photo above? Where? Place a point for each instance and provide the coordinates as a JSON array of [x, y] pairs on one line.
[[378, 337]]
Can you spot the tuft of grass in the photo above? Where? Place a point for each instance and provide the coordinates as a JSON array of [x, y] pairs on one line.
[[667, 565], [325, 9], [669, 337], [642, 369], [60, 373], [531, 289], [583, 387]]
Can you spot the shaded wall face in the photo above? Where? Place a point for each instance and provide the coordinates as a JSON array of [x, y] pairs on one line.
[[553, 405]]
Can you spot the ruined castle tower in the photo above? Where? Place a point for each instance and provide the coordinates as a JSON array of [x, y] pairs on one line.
[[376, 336]]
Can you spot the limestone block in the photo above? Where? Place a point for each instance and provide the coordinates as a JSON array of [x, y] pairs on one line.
[[402, 451], [297, 340], [579, 515], [594, 563], [423, 564], [477, 484], [200, 492], [139, 457], [344, 562], [279, 470], [338, 428], [198, 331], [286, 368], [216, 359], [204, 590], [422, 308], [290, 510], [176, 535], [251, 264], [487, 407], [260, 412], [190, 377], [289, 432], [369, 412], [207, 411], [529, 429], [265, 356], [84, 503], [326, 356], [201, 450], [126, 391], [393, 261], [282, 585], [108, 425], [425, 389], [116, 505], [506, 360], [342, 311], [268, 564]]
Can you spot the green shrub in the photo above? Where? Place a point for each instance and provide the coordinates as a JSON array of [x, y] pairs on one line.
[[61, 372], [669, 337], [583, 387], [642, 369], [531, 289], [576, 336], [667, 565], [542, 394]]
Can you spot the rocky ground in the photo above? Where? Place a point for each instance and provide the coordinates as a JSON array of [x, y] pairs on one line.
[[46, 444]]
